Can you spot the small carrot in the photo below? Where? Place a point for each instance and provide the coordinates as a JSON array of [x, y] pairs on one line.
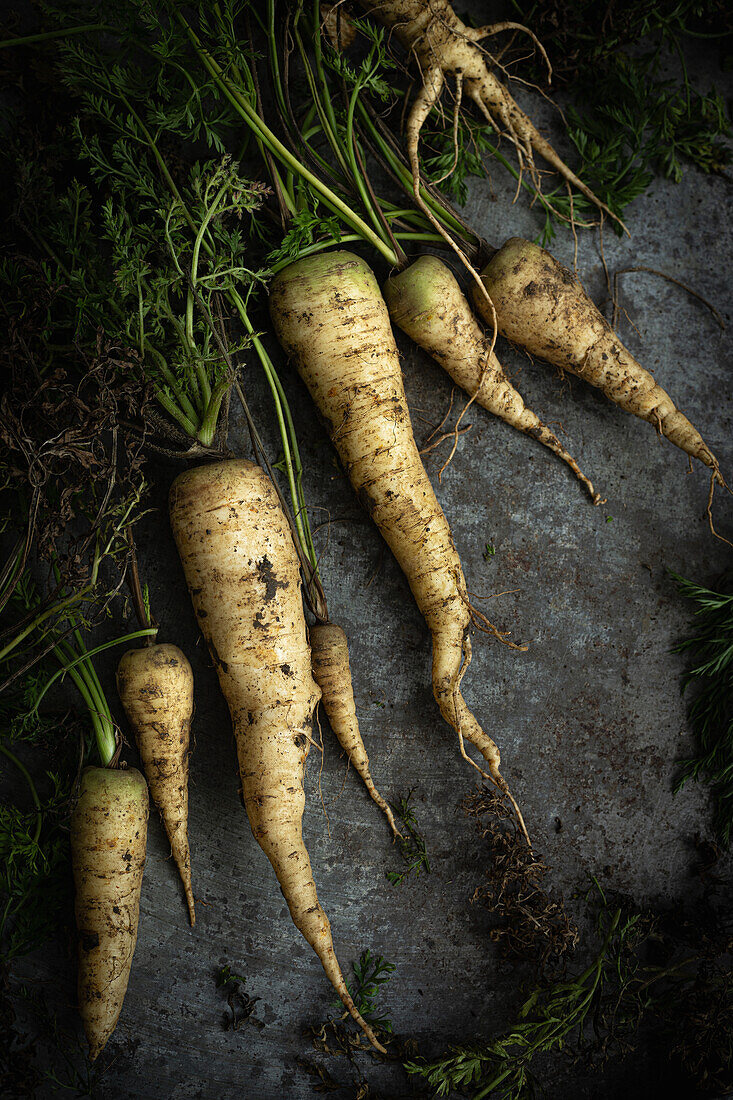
[[155, 686]]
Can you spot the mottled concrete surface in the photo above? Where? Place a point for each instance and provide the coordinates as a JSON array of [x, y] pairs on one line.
[[589, 720]]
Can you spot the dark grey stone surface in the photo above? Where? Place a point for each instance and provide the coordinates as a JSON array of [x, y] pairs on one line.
[[589, 720]]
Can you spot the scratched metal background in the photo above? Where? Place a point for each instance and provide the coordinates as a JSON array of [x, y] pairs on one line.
[[589, 721]]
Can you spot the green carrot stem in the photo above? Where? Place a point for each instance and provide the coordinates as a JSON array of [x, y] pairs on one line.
[[160, 161], [284, 418], [207, 431], [47, 36], [206, 427], [61, 672], [319, 246], [87, 669], [404, 176], [276, 147], [323, 106], [170, 407], [85, 678], [54, 609], [187, 410]]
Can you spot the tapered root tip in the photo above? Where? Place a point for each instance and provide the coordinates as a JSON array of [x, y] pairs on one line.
[[184, 870], [359, 1019], [387, 809], [370, 1034], [595, 497]]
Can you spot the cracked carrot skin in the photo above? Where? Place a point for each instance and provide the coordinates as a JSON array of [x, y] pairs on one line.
[[108, 838], [331, 319], [543, 307], [427, 303], [155, 686], [242, 571]]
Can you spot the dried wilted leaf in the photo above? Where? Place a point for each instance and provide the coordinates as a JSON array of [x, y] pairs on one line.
[[69, 448]]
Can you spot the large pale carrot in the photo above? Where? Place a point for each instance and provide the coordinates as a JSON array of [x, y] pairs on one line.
[[427, 303], [331, 319], [155, 686], [542, 306], [108, 836], [242, 571]]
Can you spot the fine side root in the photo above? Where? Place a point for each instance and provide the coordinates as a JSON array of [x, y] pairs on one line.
[[479, 33], [493, 775], [425, 100], [483, 624], [667, 278], [483, 292], [716, 478], [456, 120]]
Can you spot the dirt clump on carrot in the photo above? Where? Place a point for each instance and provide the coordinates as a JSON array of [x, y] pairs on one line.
[[155, 686]]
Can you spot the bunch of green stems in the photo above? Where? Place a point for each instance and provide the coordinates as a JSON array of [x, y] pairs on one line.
[[319, 167], [54, 628], [325, 153]]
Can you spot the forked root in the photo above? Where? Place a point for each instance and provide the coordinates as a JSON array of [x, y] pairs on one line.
[[716, 478], [494, 101], [442, 45]]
